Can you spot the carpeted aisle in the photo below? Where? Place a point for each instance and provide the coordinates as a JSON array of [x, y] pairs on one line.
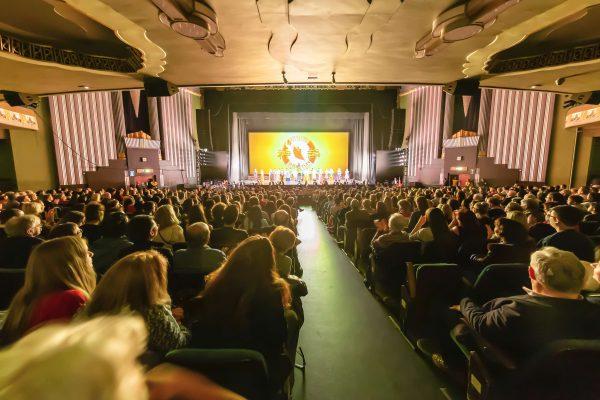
[[353, 350]]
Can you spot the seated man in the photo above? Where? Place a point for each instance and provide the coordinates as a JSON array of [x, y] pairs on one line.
[[198, 256], [565, 219], [21, 238], [552, 310], [113, 240], [227, 237], [5, 215], [387, 236], [141, 230], [283, 240]]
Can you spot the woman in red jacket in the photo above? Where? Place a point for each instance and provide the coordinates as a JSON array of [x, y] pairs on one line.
[[59, 279]]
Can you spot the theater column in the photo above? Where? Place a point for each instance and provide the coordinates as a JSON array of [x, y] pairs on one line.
[[119, 121]]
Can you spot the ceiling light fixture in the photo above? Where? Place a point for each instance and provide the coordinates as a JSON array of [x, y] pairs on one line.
[[84, 87], [333, 77], [284, 78]]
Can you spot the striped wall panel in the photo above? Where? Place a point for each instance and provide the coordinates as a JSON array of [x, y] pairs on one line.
[[84, 135], [177, 132], [519, 131], [425, 128]]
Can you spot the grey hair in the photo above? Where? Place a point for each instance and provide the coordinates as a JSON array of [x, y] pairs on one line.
[[18, 226], [558, 270], [395, 222]]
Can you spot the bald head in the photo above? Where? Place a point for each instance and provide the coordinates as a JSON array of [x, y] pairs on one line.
[[198, 234], [281, 218]]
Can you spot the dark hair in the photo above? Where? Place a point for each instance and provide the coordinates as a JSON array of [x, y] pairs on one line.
[[437, 223], [254, 216], [511, 231], [195, 214], [5, 215], [469, 224], [139, 228], [115, 224], [568, 215], [94, 211], [73, 216], [422, 204], [230, 214], [64, 229]]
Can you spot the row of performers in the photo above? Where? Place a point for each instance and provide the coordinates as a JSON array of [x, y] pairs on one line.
[[305, 175]]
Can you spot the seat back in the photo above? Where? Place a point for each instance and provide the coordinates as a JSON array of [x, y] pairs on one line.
[[11, 280], [388, 267], [564, 369], [242, 371], [363, 247], [500, 280], [185, 284], [589, 227]]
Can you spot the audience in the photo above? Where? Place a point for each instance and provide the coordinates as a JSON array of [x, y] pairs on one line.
[[59, 279], [198, 256]]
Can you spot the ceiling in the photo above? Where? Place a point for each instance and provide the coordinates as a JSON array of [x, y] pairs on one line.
[[363, 42]]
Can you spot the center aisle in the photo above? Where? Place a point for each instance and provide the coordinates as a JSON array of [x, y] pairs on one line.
[[352, 348]]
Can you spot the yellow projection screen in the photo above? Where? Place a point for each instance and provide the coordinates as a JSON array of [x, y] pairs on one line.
[[289, 150]]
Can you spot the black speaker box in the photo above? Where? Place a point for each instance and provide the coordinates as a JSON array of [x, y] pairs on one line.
[[157, 87]]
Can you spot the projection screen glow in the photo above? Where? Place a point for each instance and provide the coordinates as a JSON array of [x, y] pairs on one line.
[[296, 150]]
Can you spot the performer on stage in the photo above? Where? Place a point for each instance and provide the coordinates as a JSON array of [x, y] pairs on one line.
[[262, 177], [347, 176]]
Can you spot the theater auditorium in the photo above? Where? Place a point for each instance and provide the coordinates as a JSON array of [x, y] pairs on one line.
[[300, 199]]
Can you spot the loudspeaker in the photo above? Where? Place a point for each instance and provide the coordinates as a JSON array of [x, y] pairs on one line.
[[463, 87], [157, 87], [16, 99]]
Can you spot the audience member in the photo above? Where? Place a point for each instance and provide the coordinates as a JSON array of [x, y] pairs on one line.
[[141, 231], [65, 229], [114, 239], [22, 236], [169, 230], [228, 236], [283, 240], [565, 219], [199, 255], [94, 214]]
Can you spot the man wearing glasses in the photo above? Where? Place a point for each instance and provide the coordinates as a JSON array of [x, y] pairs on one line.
[[565, 219]]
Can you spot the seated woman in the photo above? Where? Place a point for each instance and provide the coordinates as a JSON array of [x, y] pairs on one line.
[[59, 279], [243, 306], [254, 221], [515, 245], [439, 243], [283, 240], [138, 283], [169, 231], [471, 234]]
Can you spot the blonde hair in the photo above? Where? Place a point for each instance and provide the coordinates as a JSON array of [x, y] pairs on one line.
[[137, 282], [18, 226], [57, 264], [32, 208], [283, 239], [165, 216], [65, 353], [559, 270]]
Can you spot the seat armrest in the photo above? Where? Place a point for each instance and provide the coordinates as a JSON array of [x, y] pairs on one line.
[[489, 351]]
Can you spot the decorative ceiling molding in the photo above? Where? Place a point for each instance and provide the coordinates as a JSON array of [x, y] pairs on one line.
[[478, 62], [198, 23], [461, 22], [127, 31]]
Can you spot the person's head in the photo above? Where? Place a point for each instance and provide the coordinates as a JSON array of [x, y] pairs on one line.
[[165, 216], [114, 225], [73, 216], [530, 204], [141, 228], [395, 223], [25, 225], [480, 209], [197, 234], [254, 216], [136, 282], [283, 239], [405, 207], [196, 214], [230, 214], [535, 217], [281, 218], [63, 353], [556, 273], [248, 272], [57, 264], [467, 220], [94, 212], [436, 221], [65, 229], [518, 216], [148, 208], [355, 204], [33, 208], [510, 231], [5, 215], [564, 217], [422, 204]]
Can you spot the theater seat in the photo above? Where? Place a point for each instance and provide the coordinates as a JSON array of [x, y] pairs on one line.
[[11, 280], [388, 270], [362, 248], [562, 370], [432, 283], [500, 280], [242, 371], [589, 227]]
